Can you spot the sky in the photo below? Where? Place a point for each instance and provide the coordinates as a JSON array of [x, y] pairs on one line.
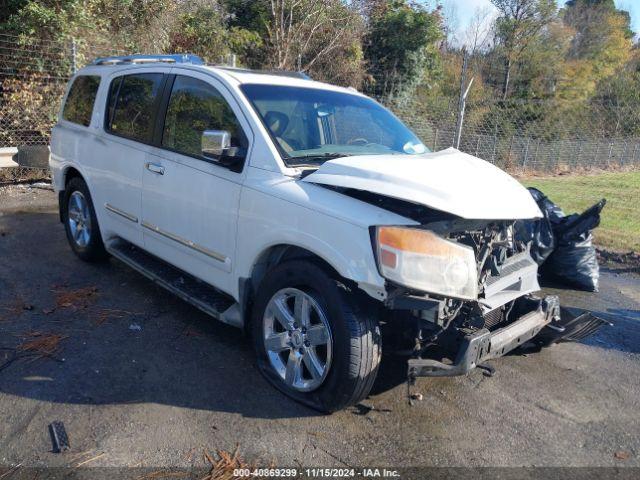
[[464, 10]]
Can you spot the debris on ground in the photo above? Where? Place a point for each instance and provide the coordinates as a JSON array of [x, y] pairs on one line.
[[417, 397], [15, 309], [105, 314], [75, 299], [135, 327], [222, 468], [84, 462], [10, 471], [59, 437], [622, 455], [43, 344], [42, 186], [37, 345], [363, 409]]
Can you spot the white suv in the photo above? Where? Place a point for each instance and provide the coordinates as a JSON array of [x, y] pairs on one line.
[[305, 213]]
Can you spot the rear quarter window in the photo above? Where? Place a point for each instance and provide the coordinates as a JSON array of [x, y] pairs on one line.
[[131, 105], [82, 95]]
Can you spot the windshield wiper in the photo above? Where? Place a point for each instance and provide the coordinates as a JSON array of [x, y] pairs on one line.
[[315, 157]]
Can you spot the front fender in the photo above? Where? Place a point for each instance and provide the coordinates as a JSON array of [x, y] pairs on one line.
[[343, 245]]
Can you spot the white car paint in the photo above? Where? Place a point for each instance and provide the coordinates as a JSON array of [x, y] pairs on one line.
[[240, 216], [451, 181]]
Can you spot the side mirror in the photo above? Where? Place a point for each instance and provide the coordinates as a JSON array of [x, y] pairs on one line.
[[215, 143], [216, 146]]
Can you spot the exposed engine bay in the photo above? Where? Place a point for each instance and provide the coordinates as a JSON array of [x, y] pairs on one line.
[[505, 274], [444, 335]]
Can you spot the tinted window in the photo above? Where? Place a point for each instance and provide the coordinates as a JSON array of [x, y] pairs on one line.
[[195, 106], [79, 104], [131, 113]]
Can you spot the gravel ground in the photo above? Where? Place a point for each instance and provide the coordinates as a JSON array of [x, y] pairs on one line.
[[140, 378]]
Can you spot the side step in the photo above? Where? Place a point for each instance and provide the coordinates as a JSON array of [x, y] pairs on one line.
[[199, 294]]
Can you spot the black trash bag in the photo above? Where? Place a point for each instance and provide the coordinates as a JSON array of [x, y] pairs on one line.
[[539, 233], [562, 245], [574, 260]]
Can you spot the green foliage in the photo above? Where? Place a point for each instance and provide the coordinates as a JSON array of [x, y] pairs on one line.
[[201, 31], [400, 47], [620, 227]]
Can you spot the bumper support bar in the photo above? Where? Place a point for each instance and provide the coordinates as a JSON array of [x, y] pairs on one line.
[[485, 345]]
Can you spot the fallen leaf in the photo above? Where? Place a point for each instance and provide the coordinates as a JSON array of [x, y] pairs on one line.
[[45, 344], [76, 299], [622, 455]]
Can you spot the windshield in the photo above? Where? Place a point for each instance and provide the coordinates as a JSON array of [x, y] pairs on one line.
[[311, 125]]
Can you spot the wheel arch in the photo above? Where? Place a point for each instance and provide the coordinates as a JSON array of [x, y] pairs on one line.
[[273, 256], [69, 173]]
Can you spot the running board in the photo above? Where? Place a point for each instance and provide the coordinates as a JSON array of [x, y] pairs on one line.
[[199, 294]]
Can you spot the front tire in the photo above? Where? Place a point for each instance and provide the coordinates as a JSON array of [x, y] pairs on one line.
[[315, 340], [81, 223]]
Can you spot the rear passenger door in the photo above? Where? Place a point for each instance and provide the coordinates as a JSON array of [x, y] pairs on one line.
[[120, 153], [190, 201]]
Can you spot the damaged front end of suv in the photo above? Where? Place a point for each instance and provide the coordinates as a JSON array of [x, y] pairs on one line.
[[481, 302], [461, 289]]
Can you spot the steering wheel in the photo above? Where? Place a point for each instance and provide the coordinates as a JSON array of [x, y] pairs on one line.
[[360, 141]]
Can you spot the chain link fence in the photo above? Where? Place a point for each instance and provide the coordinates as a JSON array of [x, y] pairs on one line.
[[33, 78], [520, 135], [552, 133]]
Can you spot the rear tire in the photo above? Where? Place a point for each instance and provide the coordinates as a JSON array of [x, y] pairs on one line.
[[81, 223], [351, 354]]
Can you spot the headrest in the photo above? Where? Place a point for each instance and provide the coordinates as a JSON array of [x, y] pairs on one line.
[[277, 122]]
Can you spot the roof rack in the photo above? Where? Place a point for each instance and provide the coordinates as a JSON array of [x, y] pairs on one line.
[[168, 58], [279, 73]]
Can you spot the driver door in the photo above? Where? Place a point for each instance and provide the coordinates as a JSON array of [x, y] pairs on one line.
[[189, 200]]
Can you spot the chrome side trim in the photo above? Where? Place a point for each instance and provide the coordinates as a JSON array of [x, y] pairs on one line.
[[123, 214], [183, 241]]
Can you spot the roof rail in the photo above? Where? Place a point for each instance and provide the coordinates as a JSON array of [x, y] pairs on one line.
[[168, 58], [279, 73]]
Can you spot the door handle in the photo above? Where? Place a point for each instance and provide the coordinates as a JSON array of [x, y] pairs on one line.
[[155, 168]]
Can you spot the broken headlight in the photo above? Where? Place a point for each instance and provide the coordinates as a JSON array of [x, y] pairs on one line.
[[422, 260]]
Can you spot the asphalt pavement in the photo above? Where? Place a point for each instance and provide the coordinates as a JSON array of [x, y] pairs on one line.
[[140, 378]]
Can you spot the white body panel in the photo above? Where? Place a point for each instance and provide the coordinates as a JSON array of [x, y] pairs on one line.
[[216, 224]]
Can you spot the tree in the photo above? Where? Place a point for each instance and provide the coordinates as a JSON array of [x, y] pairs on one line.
[[400, 46], [477, 33], [518, 25], [541, 67], [603, 35], [201, 28], [303, 32]]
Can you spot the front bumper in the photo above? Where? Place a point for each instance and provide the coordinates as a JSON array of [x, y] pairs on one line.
[[485, 345]]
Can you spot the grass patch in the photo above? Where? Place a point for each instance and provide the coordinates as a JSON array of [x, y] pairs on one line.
[[620, 226]]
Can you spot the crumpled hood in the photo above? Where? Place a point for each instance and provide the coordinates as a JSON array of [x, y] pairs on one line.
[[450, 181]]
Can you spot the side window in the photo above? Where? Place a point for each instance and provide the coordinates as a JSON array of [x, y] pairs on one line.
[[131, 105], [196, 106], [82, 95]]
